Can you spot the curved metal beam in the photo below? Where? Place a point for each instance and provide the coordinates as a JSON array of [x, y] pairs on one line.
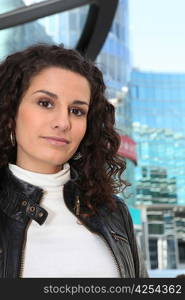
[[97, 26]]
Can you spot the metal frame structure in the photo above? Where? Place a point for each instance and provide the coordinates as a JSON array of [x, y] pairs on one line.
[[96, 28]]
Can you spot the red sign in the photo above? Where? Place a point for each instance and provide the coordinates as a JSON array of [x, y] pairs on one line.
[[127, 148]]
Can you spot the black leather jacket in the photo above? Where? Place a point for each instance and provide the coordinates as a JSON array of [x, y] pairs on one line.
[[19, 205]]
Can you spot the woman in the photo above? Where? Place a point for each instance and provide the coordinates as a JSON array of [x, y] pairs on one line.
[[59, 216]]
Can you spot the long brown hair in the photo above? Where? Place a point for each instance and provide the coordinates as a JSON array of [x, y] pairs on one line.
[[100, 167]]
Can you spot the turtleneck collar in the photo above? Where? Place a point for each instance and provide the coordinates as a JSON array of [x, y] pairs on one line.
[[47, 182]]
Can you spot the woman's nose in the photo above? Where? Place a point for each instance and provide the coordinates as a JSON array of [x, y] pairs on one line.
[[61, 120]]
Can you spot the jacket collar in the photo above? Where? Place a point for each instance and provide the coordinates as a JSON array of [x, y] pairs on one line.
[[20, 200]]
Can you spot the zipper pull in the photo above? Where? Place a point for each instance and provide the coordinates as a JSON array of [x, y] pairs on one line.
[[113, 233], [117, 236], [77, 206]]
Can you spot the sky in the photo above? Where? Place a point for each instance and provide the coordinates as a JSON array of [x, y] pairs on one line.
[[157, 35]]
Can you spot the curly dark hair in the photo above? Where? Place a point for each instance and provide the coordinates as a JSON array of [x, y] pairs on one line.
[[100, 167]]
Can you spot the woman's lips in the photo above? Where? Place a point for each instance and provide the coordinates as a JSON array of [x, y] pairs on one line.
[[56, 140]]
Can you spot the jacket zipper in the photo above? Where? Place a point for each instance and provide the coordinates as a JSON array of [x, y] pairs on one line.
[[22, 257], [22, 261], [118, 237]]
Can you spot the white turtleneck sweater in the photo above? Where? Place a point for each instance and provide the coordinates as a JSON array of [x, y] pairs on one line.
[[61, 247]]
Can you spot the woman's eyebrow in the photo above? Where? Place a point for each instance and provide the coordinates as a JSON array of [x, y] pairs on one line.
[[78, 102], [47, 93]]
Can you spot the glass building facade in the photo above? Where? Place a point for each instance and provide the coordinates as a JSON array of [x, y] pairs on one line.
[[157, 104]]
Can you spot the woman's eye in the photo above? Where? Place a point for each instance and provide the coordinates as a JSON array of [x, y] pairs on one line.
[[45, 103], [78, 112]]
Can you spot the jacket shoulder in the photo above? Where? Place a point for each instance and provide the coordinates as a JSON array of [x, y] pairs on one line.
[[119, 201], [121, 206]]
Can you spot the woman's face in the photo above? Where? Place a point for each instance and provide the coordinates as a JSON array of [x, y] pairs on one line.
[[51, 120]]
